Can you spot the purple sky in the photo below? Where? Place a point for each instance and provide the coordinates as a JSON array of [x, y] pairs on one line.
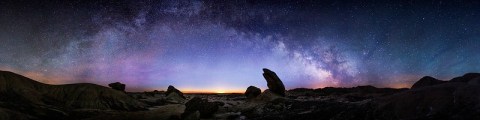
[[223, 46]]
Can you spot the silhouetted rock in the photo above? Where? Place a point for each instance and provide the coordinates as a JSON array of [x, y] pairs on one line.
[[426, 81], [273, 82], [466, 77], [252, 92], [172, 89], [206, 109], [117, 86], [174, 95]]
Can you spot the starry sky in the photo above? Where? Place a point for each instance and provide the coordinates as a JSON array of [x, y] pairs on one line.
[[222, 46]]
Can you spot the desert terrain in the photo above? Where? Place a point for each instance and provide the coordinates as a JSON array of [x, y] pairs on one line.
[[429, 98]]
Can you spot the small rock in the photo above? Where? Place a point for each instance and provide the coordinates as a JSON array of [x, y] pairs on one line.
[[252, 92], [117, 86]]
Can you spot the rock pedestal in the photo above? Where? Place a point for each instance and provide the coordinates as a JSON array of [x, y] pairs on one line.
[[274, 83]]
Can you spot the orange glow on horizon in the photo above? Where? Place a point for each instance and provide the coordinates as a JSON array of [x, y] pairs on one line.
[[212, 91]]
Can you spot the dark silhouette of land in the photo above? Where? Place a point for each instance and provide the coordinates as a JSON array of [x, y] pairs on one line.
[[429, 98]]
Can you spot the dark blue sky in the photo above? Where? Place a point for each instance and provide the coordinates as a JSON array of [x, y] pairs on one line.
[[223, 45]]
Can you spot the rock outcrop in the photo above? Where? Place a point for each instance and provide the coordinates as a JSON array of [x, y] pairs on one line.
[[426, 81], [117, 86], [205, 108], [172, 89], [271, 101], [252, 92], [274, 83], [174, 95]]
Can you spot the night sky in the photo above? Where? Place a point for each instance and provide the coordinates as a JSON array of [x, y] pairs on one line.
[[222, 46]]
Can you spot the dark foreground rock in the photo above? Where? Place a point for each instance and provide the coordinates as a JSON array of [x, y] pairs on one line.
[[451, 100], [273, 82], [205, 108], [252, 92], [309, 110]]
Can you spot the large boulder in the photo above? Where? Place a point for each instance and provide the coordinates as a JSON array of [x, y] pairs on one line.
[[206, 109], [252, 92], [174, 95], [274, 83], [172, 89], [117, 86], [426, 81]]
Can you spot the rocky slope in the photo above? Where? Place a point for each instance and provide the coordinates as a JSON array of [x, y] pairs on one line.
[[458, 98], [21, 95]]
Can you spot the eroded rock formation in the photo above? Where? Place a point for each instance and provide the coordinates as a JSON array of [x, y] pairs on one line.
[[274, 83]]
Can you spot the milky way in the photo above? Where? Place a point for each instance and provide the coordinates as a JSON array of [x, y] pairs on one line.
[[223, 46]]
